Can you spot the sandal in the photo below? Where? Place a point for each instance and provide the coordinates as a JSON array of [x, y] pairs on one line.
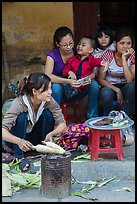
[[24, 165]]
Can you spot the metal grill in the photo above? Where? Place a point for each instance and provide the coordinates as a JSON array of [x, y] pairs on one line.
[[56, 175]]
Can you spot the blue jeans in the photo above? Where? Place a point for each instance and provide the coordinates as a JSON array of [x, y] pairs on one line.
[[108, 96], [57, 92], [44, 125], [92, 90]]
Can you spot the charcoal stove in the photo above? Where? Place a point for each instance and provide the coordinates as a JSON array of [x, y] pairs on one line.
[[56, 175]]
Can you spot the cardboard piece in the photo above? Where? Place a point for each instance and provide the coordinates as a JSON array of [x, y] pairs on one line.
[[6, 186]]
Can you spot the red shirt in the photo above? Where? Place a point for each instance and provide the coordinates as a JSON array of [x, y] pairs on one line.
[[87, 65]]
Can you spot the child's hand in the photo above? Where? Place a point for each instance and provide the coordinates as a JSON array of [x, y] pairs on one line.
[[105, 64], [71, 75]]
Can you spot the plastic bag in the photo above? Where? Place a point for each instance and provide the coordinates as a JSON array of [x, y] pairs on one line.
[[127, 134]]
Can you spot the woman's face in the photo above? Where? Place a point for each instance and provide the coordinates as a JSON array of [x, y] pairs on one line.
[[124, 44], [66, 44], [45, 95]]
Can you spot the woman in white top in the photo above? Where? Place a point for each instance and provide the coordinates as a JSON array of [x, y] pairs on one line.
[[118, 82]]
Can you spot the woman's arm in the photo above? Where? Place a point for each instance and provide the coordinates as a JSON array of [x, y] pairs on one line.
[[105, 83], [49, 70], [23, 144], [58, 130]]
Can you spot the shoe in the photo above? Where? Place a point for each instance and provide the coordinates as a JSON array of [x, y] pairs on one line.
[[82, 148], [127, 140], [24, 165]]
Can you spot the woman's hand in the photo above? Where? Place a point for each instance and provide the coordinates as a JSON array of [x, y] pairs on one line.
[[119, 97], [76, 84], [127, 53], [72, 82], [24, 145], [48, 137]]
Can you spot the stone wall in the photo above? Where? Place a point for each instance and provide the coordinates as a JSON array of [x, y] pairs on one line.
[[28, 28]]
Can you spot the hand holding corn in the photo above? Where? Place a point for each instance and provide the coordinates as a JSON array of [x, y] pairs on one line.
[[49, 137]]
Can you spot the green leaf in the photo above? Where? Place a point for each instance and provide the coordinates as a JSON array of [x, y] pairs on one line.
[[5, 167], [105, 182], [77, 193], [83, 156], [17, 178]]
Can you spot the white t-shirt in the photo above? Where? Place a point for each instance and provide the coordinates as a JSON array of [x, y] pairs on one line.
[[115, 68]]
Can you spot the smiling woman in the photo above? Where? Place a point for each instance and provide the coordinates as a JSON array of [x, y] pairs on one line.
[[32, 115], [56, 59]]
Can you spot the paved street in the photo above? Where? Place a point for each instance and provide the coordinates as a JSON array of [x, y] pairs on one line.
[[121, 189]]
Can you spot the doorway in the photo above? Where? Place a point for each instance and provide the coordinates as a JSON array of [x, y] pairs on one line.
[[89, 15]]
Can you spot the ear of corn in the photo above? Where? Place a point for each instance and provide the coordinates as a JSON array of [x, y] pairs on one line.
[[47, 149], [53, 145]]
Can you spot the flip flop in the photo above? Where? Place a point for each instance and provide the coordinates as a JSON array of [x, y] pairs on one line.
[[24, 165]]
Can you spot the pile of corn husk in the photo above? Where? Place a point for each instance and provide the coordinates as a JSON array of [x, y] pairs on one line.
[[19, 180]]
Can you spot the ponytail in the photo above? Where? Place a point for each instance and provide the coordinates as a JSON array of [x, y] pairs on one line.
[[23, 85]]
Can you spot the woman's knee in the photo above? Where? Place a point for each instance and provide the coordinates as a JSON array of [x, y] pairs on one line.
[[106, 92], [94, 84], [57, 92], [47, 121], [130, 87], [47, 115], [56, 88], [21, 119], [20, 127], [94, 87]]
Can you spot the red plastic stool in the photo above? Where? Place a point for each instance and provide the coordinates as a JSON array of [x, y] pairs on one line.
[[65, 107], [94, 143]]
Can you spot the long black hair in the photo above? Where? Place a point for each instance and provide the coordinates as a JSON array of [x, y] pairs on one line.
[[107, 31]]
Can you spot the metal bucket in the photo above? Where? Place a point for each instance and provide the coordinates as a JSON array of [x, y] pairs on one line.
[[56, 175]]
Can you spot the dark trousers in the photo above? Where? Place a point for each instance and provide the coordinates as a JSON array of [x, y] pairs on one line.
[[128, 92], [43, 126]]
